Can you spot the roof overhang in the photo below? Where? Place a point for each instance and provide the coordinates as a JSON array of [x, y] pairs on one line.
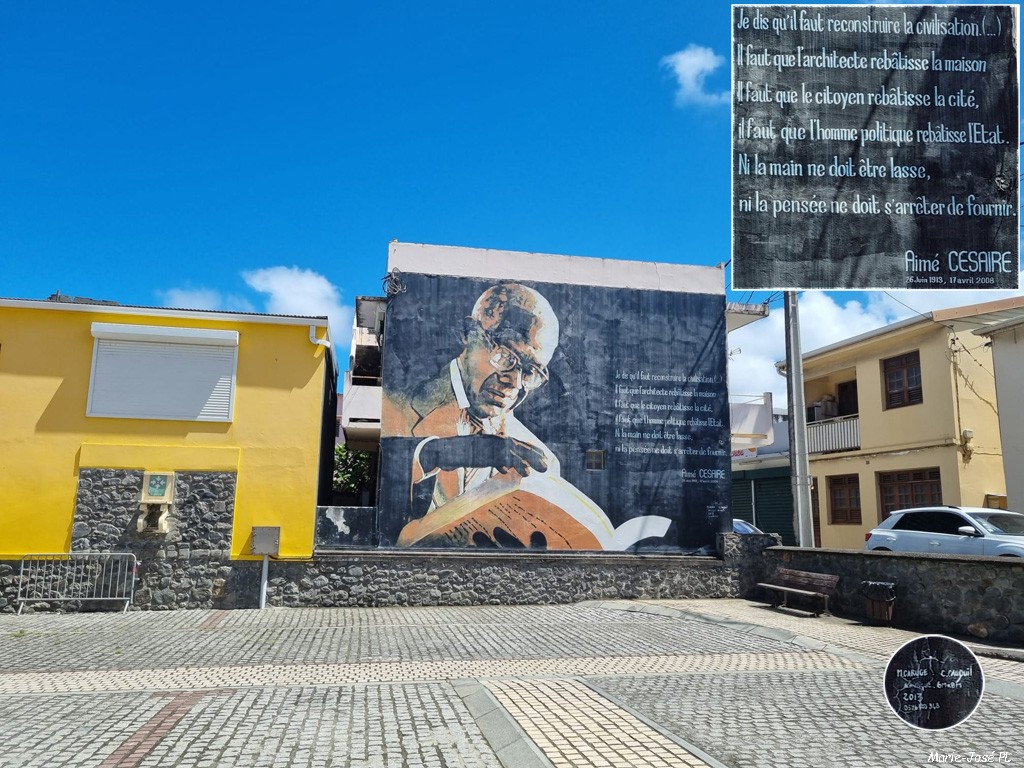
[[738, 315]]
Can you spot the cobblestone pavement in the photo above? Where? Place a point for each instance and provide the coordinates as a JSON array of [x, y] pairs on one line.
[[823, 632], [622, 684]]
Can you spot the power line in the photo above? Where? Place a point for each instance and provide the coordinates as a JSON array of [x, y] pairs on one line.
[[976, 360], [950, 328], [918, 312]]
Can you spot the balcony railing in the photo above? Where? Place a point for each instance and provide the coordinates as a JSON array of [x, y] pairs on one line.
[[831, 435]]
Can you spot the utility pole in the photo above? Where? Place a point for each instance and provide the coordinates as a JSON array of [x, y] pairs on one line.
[[799, 466]]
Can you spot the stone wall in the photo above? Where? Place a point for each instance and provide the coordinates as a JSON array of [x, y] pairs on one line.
[[177, 574], [8, 587], [107, 510], [382, 577], [190, 567], [978, 596], [403, 578], [186, 566]]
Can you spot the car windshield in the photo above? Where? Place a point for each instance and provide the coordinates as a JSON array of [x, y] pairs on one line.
[[1002, 523], [742, 526]]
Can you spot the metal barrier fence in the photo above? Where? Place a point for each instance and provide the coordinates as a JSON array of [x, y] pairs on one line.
[[77, 576]]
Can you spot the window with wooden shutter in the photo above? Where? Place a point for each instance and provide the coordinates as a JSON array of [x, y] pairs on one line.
[[844, 500], [156, 372], [902, 380], [911, 488]]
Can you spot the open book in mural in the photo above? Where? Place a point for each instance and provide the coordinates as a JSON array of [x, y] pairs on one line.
[[539, 511]]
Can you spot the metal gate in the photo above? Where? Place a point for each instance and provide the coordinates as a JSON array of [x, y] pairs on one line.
[[77, 576]]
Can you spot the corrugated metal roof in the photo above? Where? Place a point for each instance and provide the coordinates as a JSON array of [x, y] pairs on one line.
[[89, 305], [961, 318], [979, 315], [1006, 325]]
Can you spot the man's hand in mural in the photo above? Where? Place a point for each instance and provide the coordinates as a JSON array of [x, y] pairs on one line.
[[501, 453]]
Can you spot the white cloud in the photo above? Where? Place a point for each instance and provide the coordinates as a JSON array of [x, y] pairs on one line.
[[753, 351], [907, 303], [204, 298], [691, 67], [286, 291], [295, 291], [827, 318]]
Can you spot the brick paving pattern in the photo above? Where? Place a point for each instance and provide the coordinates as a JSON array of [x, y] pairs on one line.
[[829, 629], [573, 726], [192, 678], [639, 683], [870, 640], [456, 634], [152, 733], [809, 719], [358, 726]]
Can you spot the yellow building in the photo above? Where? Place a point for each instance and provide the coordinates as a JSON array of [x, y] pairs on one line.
[[903, 416], [161, 429]]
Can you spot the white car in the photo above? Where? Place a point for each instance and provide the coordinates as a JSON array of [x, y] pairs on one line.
[[951, 531]]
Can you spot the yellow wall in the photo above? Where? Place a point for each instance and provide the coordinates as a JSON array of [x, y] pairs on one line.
[[868, 468], [924, 424], [273, 441], [915, 436], [981, 465]]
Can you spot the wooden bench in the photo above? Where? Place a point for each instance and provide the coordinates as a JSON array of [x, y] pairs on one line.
[[816, 586]]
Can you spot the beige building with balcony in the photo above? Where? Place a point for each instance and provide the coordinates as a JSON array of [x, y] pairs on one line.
[[904, 416]]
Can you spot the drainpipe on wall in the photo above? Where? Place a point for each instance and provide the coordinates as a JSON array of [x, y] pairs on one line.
[[319, 342]]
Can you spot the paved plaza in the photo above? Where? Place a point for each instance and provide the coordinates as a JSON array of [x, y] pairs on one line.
[[620, 684]]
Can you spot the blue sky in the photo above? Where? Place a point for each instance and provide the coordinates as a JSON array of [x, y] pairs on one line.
[[260, 156]]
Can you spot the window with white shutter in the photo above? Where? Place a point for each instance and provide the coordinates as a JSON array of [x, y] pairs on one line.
[[156, 372]]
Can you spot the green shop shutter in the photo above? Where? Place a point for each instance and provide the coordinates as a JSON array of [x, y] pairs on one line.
[[741, 506], [774, 505]]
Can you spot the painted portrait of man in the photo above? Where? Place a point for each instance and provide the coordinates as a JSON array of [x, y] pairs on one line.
[[523, 414], [479, 476]]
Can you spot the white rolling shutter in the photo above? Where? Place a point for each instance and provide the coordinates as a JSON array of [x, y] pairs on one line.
[[150, 372]]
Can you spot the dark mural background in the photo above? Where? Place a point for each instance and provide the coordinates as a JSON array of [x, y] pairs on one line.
[[916, 160], [638, 374]]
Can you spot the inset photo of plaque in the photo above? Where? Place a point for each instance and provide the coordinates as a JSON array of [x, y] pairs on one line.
[[875, 146], [934, 682]]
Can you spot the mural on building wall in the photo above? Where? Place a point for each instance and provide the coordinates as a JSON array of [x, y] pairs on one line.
[[551, 416]]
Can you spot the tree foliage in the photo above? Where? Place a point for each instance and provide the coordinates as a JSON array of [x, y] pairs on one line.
[[352, 470]]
